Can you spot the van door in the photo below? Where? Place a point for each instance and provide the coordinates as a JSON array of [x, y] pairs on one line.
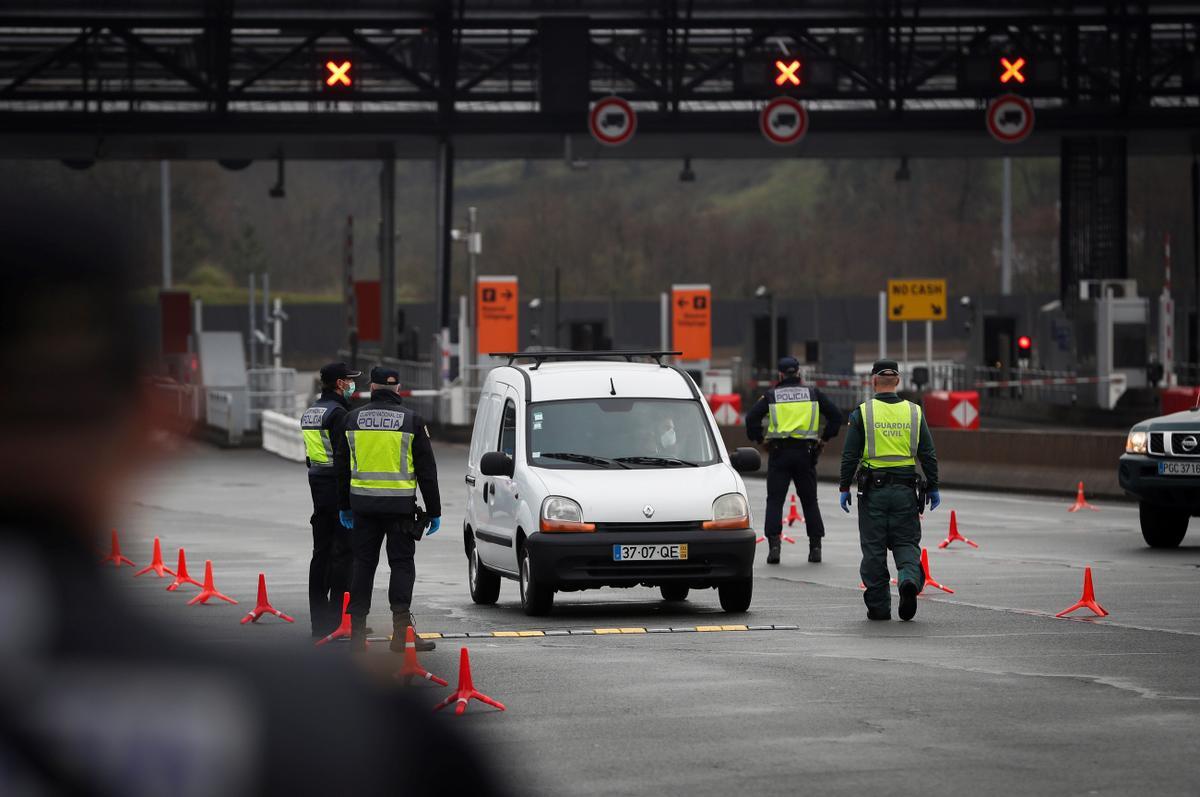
[[483, 437], [503, 489]]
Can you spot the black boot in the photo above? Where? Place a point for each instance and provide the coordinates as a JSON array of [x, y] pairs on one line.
[[908, 599], [773, 552], [814, 551], [872, 614], [358, 634], [400, 624]]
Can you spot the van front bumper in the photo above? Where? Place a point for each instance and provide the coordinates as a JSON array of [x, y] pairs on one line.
[[574, 561], [1139, 478]]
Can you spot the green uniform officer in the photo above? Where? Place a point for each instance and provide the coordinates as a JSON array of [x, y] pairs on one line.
[[886, 439]]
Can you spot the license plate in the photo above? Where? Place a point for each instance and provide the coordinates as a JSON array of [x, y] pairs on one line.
[[650, 553], [1179, 469]]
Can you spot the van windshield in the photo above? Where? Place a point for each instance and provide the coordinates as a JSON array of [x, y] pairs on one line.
[[619, 433]]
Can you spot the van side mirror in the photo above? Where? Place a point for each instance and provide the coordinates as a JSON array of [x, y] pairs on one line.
[[745, 460], [496, 463]]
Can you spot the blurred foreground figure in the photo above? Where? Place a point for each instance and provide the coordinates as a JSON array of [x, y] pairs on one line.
[[95, 699]]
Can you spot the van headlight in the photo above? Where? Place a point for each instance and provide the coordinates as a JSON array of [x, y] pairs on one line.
[[563, 514], [730, 511], [1136, 443]]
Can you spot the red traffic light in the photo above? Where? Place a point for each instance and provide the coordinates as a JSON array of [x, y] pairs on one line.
[[1024, 343]]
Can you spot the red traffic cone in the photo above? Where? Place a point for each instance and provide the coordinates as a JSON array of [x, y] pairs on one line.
[[114, 555], [342, 630], [929, 582], [264, 606], [954, 535], [411, 668], [156, 565], [208, 590], [1088, 601], [181, 574], [1081, 502], [793, 514], [466, 689]]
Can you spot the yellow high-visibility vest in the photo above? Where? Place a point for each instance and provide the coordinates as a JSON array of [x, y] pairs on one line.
[[793, 414], [892, 433]]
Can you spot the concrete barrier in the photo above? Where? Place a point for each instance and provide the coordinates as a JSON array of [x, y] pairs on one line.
[[281, 435], [1025, 460]]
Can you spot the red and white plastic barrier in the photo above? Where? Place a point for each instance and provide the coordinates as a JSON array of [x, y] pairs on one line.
[[726, 408], [954, 409]]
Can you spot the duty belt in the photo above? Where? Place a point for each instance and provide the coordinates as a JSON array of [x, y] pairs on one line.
[[872, 479]]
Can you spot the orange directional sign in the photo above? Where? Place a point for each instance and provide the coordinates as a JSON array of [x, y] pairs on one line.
[[691, 320], [496, 302], [916, 300]]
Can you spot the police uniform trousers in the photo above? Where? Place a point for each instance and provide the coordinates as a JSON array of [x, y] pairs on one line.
[[889, 519], [332, 560], [367, 537], [793, 462]]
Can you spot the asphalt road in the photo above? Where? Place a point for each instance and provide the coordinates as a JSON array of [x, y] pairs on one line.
[[984, 693]]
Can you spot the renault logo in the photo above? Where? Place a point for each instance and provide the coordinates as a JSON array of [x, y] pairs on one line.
[[1188, 444], [648, 510]]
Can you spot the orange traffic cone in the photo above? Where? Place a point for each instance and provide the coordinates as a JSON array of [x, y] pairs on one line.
[[181, 574], [209, 590], [411, 668], [114, 555], [1081, 502], [929, 582], [342, 630], [1088, 601], [793, 514], [954, 535], [264, 606], [156, 565], [466, 689]]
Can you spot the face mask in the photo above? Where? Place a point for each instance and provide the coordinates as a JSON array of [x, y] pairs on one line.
[[349, 391], [667, 438]]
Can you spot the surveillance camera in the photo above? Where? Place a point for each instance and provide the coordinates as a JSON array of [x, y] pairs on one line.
[[760, 291], [965, 301]]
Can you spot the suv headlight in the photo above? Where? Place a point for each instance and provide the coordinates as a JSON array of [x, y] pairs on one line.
[[730, 511], [1136, 443], [563, 514]]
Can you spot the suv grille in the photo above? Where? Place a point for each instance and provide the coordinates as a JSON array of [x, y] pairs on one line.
[[680, 525], [1156, 444], [1183, 444]]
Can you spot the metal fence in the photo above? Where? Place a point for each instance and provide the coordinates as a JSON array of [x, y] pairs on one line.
[[273, 389]]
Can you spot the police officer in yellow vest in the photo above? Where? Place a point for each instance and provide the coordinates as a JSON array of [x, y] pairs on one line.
[[886, 439], [329, 570], [800, 420], [388, 456]]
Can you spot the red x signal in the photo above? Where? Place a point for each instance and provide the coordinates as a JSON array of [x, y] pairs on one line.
[[787, 73], [338, 73], [1012, 70]]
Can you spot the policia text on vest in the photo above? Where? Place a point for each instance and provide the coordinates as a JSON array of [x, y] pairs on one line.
[[886, 439], [388, 457], [323, 428], [799, 421]]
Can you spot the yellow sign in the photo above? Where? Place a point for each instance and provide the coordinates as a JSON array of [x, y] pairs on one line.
[[916, 300]]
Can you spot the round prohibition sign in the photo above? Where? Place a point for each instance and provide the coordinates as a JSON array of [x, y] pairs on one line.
[[783, 121], [1010, 118], [612, 121]]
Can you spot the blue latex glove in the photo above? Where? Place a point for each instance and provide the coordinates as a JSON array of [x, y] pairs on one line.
[[935, 500], [347, 518], [844, 501], [435, 523]]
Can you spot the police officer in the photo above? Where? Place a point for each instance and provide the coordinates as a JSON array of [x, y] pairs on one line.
[[388, 455], [886, 439], [332, 560], [796, 438]]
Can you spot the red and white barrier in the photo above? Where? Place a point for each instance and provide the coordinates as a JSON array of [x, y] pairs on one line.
[[1053, 380], [954, 409], [726, 408]]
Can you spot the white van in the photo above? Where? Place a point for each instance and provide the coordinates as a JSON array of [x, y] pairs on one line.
[[592, 470]]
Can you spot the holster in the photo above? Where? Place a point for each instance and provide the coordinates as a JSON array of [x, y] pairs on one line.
[[420, 523], [922, 493]]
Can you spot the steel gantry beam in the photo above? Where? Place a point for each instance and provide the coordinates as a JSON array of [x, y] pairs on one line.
[[198, 78]]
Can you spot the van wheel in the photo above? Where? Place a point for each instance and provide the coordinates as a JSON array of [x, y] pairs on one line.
[[485, 585], [674, 592], [735, 595], [1162, 527], [537, 599]]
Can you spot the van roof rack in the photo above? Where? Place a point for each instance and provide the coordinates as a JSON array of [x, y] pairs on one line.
[[540, 357]]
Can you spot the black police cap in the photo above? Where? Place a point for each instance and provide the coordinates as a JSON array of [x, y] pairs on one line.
[[788, 364], [384, 376], [334, 371], [885, 368]]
